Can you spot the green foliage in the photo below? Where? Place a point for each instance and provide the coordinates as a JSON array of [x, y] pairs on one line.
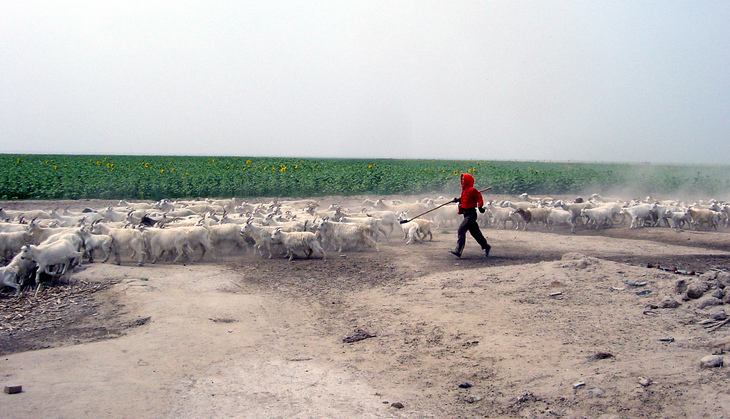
[[156, 177]]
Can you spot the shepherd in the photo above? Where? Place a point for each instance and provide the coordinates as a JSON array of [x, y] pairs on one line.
[[470, 200]]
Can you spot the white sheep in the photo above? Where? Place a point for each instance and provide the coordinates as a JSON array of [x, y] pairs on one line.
[[61, 253], [12, 242], [123, 239], [343, 236], [298, 242], [161, 240], [559, 216]]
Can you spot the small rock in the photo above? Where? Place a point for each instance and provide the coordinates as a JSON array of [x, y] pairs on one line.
[[464, 385], [645, 382], [723, 279], [711, 361], [579, 384], [709, 301], [13, 389], [669, 302], [680, 286], [472, 399], [602, 355], [708, 276], [718, 293], [595, 391], [697, 288], [397, 405], [718, 314]]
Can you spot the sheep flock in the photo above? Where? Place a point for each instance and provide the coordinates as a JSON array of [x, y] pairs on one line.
[[40, 244]]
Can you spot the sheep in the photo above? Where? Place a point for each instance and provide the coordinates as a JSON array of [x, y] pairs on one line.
[[10, 227], [94, 242], [298, 241], [501, 215], [374, 223], [12, 242], [40, 234], [396, 208], [62, 252], [261, 236], [601, 216], [109, 214], [123, 239], [679, 219], [345, 236], [524, 214], [575, 208], [28, 215], [226, 234], [534, 216], [703, 217], [387, 218], [134, 205], [519, 204], [410, 232], [445, 216], [416, 230], [559, 216], [199, 236], [424, 227], [161, 240], [661, 213], [638, 212], [535, 200], [271, 221], [16, 272]]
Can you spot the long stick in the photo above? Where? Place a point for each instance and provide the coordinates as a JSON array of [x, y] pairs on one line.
[[435, 208]]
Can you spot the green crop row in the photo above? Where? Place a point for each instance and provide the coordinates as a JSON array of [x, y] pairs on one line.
[[156, 177]]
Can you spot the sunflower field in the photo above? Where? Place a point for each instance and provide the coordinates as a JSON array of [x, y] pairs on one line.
[[38, 176]]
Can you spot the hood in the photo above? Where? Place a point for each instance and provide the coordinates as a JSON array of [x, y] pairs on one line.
[[467, 180]]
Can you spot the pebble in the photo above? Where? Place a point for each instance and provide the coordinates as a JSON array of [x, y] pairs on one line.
[[464, 385], [579, 384], [397, 405], [711, 361], [13, 389], [595, 391], [645, 382]]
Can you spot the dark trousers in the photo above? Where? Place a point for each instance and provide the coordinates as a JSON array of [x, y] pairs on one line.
[[469, 224]]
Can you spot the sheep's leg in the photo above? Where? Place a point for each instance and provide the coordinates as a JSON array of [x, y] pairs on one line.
[[180, 253], [107, 253]]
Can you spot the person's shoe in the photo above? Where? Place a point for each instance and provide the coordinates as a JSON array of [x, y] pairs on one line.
[[486, 251], [455, 253]]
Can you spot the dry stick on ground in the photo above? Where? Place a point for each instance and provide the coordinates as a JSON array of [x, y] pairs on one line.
[[715, 326]]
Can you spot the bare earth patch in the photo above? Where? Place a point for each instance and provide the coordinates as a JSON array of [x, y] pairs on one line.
[[551, 325]]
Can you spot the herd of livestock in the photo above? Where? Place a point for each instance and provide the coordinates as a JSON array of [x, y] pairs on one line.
[[36, 242]]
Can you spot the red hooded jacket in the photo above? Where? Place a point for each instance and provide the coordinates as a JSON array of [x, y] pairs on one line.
[[470, 196]]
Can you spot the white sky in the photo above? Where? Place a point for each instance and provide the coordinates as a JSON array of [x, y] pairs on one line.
[[624, 81]]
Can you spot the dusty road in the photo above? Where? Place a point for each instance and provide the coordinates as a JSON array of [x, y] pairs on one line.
[[249, 337]]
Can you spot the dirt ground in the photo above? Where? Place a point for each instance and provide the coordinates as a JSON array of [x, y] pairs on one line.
[[550, 325]]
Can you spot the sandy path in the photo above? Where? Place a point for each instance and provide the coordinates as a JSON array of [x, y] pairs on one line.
[[215, 346]]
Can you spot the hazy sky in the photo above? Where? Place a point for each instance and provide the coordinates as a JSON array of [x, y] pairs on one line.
[[626, 81]]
